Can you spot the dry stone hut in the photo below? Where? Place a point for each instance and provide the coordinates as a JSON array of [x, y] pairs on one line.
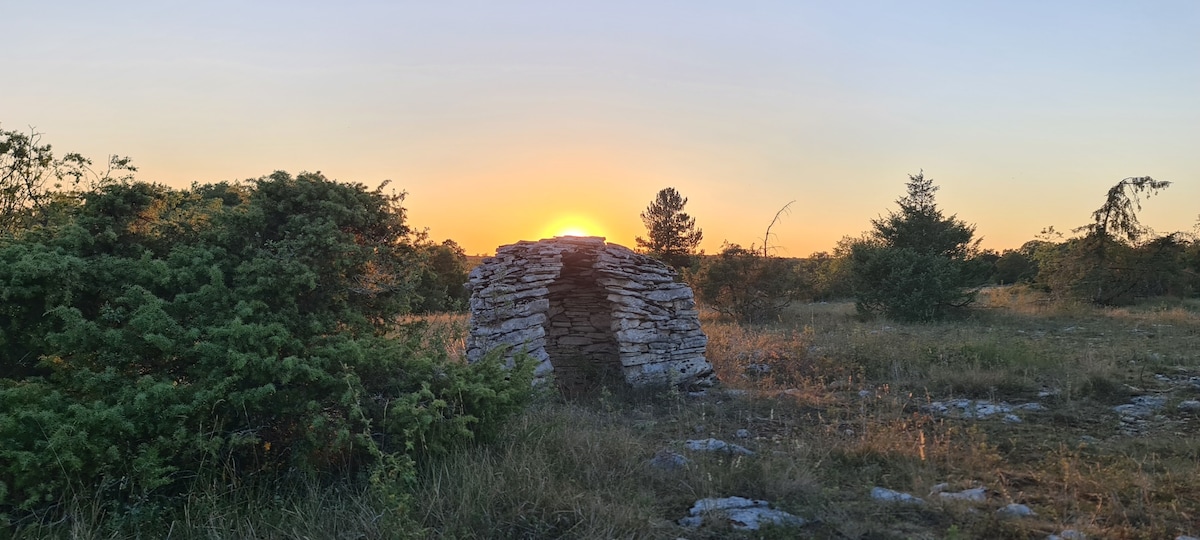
[[588, 311]]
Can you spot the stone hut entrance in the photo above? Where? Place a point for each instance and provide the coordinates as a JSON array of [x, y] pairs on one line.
[[590, 313], [580, 341]]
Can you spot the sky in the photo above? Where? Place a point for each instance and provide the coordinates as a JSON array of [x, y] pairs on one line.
[[518, 120]]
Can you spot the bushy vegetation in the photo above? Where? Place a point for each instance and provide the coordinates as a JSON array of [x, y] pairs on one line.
[[746, 285], [33, 179], [1114, 259], [442, 285], [152, 339], [257, 359], [833, 406], [916, 264]]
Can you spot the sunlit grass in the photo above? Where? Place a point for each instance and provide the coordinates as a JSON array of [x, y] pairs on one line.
[[833, 406], [439, 331]]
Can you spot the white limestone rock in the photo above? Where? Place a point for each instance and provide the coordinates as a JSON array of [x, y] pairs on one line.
[[717, 445], [738, 513], [1140, 408], [1069, 534], [887, 495], [1190, 405], [978, 494], [1015, 510]]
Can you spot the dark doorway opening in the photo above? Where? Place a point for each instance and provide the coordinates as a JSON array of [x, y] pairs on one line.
[[580, 340]]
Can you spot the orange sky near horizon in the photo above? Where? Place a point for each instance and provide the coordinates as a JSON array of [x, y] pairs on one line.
[[507, 121]]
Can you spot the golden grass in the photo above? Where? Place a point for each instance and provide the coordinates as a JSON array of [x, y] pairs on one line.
[[833, 406]]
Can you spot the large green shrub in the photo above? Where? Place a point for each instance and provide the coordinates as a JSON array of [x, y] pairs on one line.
[[905, 284], [916, 264], [161, 336]]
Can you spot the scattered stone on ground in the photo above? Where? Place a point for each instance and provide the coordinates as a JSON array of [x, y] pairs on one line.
[[1183, 380], [717, 445], [1133, 416], [888, 495], [978, 494], [758, 369], [667, 460], [1069, 534], [1185, 537], [1015, 510], [739, 513], [981, 408], [742, 434], [1141, 406]]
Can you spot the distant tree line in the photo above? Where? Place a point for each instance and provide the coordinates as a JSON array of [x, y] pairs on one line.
[[1111, 261], [917, 264]]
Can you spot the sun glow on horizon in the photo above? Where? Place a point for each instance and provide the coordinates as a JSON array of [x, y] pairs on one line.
[[572, 225], [573, 231]]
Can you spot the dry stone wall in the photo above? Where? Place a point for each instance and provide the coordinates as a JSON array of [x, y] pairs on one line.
[[588, 312]]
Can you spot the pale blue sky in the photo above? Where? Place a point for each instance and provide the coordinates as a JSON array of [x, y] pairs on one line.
[[502, 117]]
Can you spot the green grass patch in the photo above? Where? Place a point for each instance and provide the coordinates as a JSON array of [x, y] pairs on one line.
[[832, 406]]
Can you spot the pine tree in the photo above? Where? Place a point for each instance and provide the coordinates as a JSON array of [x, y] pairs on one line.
[[920, 225], [915, 264], [672, 234]]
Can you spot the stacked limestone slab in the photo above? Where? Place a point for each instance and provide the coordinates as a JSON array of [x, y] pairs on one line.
[[588, 311]]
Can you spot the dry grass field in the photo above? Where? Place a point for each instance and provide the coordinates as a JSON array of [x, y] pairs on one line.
[[836, 406], [832, 407]]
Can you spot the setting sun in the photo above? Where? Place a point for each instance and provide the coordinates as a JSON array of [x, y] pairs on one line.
[[572, 225], [573, 231]]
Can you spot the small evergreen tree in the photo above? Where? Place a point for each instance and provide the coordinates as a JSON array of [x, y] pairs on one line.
[[920, 225], [916, 263], [671, 234]]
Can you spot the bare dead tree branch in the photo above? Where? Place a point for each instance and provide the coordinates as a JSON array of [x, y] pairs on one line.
[[767, 236]]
